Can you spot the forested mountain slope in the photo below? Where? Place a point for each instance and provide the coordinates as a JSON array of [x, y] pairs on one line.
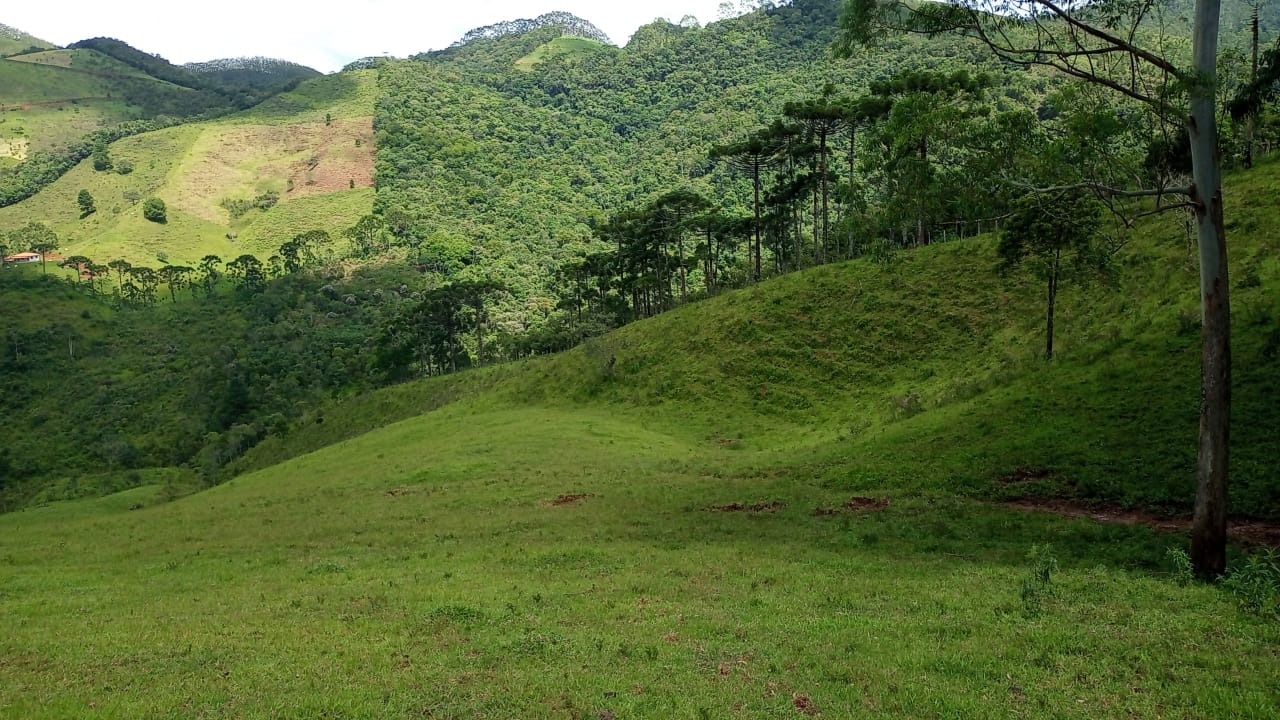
[[512, 172], [255, 72]]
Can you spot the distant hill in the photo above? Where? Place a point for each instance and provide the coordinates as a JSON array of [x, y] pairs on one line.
[[567, 23], [310, 149], [14, 41], [241, 83], [258, 72], [56, 104]]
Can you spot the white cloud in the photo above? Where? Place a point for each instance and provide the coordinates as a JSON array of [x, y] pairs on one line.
[[324, 35]]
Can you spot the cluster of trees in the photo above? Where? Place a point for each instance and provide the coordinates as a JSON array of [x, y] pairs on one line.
[[429, 336], [197, 384], [831, 178], [239, 207]]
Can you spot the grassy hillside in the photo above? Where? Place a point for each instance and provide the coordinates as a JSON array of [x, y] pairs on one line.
[[13, 40], [51, 99], [86, 62], [284, 146], [847, 370], [659, 523]]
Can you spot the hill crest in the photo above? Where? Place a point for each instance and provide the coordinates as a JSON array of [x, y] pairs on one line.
[[257, 64], [569, 23], [14, 41]]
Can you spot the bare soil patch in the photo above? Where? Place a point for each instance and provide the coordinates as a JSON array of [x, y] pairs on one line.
[[571, 499], [1244, 530], [1026, 474], [768, 507], [856, 504]]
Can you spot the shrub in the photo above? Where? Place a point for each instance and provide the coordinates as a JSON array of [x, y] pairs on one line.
[[1256, 583], [154, 210], [1182, 571], [1038, 583]]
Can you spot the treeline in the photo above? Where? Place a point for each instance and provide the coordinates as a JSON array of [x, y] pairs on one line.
[[919, 157], [915, 159]]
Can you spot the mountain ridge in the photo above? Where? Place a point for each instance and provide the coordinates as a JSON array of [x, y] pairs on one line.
[[568, 22]]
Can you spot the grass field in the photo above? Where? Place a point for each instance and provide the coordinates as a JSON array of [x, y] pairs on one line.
[[37, 128], [777, 503], [284, 146], [433, 569]]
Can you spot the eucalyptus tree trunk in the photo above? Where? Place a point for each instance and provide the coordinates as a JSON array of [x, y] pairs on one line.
[[1054, 269], [1251, 122], [755, 178], [922, 235], [826, 196], [1209, 530]]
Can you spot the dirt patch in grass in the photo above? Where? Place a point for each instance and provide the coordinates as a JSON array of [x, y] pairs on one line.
[[337, 163], [1026, 474], [295, 160], [563, 500], [1244, 530], [804, 704], [399, 492], [768, 507], [856, 504]]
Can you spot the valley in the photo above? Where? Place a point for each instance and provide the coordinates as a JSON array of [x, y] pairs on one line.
[[712, 375]]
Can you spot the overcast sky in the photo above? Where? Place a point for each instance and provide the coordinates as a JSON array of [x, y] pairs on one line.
[[324, 35]]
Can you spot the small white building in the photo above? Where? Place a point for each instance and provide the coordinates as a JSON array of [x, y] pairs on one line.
[[26, 257]]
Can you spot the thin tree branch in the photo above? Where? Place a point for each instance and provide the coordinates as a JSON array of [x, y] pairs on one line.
[[1112, 39], [1108, 191]]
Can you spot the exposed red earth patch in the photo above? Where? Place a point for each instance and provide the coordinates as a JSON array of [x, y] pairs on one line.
[[1252, 532], [804, 704]]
